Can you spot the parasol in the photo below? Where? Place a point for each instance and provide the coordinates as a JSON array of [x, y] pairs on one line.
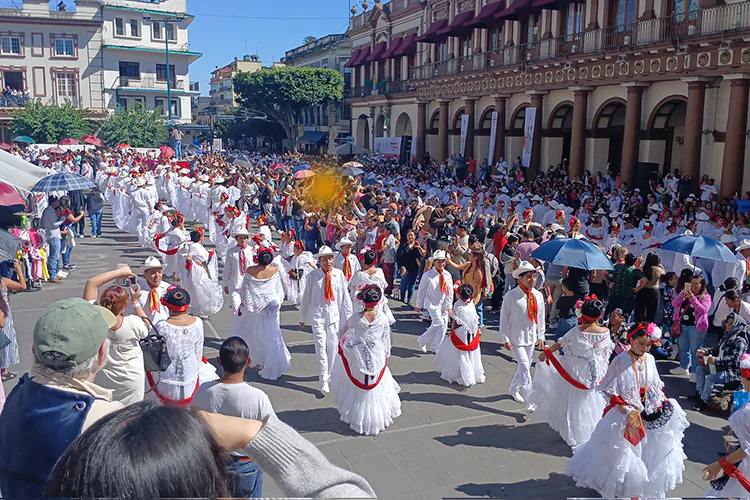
[[572, 252], [63, 182], [94, 141], [304, 174], [69, 141]]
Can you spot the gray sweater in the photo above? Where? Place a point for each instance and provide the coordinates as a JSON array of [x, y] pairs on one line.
[[299, 467]]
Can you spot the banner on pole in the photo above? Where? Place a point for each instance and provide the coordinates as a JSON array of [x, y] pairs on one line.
[[493, 139], [464, 131], [528, 136]]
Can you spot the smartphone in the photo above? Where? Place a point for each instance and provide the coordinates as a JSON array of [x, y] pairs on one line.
[[687, 286], [133, 281]]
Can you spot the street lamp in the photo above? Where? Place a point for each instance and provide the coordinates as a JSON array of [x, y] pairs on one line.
[[175, 20]]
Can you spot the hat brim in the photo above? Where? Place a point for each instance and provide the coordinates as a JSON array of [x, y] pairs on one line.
[[108, 316], [326, 254]]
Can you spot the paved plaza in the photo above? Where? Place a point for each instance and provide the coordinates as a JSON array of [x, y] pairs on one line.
[[448, 442]]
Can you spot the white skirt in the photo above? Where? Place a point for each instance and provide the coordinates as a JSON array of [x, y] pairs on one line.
[[733, 488], [206, 295], [461, 367], [366, 412], [573, 413], [274, 355], [609, 464]]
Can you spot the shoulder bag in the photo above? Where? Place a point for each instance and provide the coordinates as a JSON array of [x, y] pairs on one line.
[[154, 347]]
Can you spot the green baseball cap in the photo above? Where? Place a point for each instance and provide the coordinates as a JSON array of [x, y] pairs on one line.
[[71, 331]]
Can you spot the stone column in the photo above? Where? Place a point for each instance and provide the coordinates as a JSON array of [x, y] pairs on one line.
[[577, 160], [593, 15], [443, 131], [537, 101], [470, 110], [631, 138], [691, 153], [733, 169], [501, 100], [421, 129]]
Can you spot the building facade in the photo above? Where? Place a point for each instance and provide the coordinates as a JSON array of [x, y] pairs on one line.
[[223, 98], [135, 37], [322, 128], [618, 83], [52, 56]]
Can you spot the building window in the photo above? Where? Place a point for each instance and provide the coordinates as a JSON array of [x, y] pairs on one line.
[[156, 30], [465, 46], [161, 74], [574, 21], [685, 9], [67, 88], [11, 45], [123, 103], [160, 102], [139, 102], [64, 47], [495, 38], [171, 32], [119, 26], [532, 30], [442, 51], [625, 13], [130, 70], [135, 28]]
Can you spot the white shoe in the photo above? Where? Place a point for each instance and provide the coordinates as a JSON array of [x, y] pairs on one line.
[[62, 275], [424, 349], [517, 397], [692, 378], [531, 408], [324, 389], [678, 371]]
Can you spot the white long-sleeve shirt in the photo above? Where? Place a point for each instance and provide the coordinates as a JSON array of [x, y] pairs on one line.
[[314, 309], [338, 262], [515, 325], [429, 295], [233, 273]]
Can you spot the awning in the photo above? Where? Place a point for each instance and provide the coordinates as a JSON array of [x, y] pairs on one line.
[[486, 16], [408, 46], [313, 136], [431, 35], [547, 4], [360, 59], [457, 27], [19, 173], [377, 52], [395, 44], [353, 58], [513, 13]]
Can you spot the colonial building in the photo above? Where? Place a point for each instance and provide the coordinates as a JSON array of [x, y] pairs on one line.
[[324, 127], [223, 98], [613, 82]]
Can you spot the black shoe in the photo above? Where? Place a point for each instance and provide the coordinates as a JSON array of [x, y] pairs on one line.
[[695, 397], [701, 406]]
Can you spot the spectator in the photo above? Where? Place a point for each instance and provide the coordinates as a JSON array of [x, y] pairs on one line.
[[94, 206], [50, 223], [691, 308]]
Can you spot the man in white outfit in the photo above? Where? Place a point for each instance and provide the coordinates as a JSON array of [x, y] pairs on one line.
[[325, 304], [154, 290], [522, 326], [435, 295], [346, 261], [239, 258]]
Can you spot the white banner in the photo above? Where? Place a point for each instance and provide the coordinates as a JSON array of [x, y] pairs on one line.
[[388, 145], [528, 136], [464, 131], [493, 139]]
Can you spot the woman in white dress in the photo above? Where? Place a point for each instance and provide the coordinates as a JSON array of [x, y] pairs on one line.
[[365, 392], [262, 295], [636, 448], [729, 469], [302, 263], [460, 360], [201, 278], [10, 355], [564, 392], [184, 338], [370, 275], [173, 245]]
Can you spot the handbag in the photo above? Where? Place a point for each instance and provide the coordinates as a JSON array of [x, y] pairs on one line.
[[155, 355], [676, 327], [4, 341]]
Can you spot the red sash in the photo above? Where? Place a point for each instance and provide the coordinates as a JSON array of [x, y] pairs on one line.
[[461, 346], [165, 252], [613, 401], [179, 403], [550, 358], [732, 471], [356, 382]]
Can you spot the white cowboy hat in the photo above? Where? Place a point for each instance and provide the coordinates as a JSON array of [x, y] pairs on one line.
[[517, 198], [139, 181], [325, 251], [467, 191], [504, 190], [344, 241], [655, 207], [536, 198], [166, 208], [524, 267], [152, 263], [240, 232], [203, 178], [702, 216], [219, 180], [438, 255], [553, 204], [184, 171], [614, 214], [744, 245], [728, 238], [568, 210], [600, 212]]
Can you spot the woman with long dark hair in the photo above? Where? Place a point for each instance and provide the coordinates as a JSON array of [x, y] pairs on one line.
[[477, 273], [201, 278], [691, 308], [647, 291]]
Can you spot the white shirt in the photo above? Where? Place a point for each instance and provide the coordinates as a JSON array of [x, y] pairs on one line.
[[315, 309], [515, 326], [429, 295], [707, 190], [233, 274], [162, 313], [338, 263]]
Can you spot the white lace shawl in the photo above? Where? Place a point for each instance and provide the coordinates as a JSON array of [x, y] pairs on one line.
[[262, 295], [594, 348], [740, 423], [621, 381], [361, 278], [367, 345], [185, 347], [467, 319]]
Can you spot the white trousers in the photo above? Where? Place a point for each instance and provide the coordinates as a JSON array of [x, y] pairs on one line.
[[521, 382], [236, 298], [434, 335], [326, 344]]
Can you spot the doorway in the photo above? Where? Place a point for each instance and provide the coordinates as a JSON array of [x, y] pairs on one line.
[[13, 79]]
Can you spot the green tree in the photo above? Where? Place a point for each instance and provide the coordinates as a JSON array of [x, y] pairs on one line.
[[282, 92], [137, 126], [309, 39], [49, 124]]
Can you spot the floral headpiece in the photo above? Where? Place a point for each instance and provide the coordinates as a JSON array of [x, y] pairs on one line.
[[653, 331], [579, 309], [573, 221], [745, 366]]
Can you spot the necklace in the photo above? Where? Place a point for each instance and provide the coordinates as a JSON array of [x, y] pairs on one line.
[[181, 315], [641, 361]]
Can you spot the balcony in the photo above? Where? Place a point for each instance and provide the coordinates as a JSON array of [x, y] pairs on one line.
[[150, 83], [678, 29], [13, 101], [382, 87]]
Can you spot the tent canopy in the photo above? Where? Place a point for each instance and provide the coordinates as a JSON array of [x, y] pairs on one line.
[[353, 149], [18, 172]]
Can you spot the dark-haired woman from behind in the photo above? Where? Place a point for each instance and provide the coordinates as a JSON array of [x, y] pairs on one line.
[[564, 392], [262, 295], [201, 278], [365, 392], [370, 274], [647, 293]]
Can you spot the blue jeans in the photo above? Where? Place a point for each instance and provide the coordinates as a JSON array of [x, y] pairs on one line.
[[298, 224], [705, 380], [564, 325], [53, 259], [690, 341], [408, 284], [480, 311], [96, 222], [245, 479], [178, 149]]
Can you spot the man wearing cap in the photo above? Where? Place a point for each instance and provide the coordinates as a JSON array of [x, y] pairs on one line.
[[325, 305], [155, 288], [346, 261], [239, 258], [57, 401], [435, 295], [522, 326]]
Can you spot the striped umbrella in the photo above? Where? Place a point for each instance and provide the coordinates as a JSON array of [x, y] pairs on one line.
[[63, 182]]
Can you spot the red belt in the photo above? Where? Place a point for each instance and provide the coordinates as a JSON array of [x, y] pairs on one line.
[[549, 357], [613, 401], [179, 403], [461, 346], [364, 387], [732, 471], [165, 252]]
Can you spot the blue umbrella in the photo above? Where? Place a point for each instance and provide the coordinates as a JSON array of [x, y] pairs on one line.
[[300, 167], [63, 182], [699, 246], [573, 253]]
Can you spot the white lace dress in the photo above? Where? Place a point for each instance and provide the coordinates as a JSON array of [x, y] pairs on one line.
[[177, 385], [731, 488], [571, 411], [609, 463], [359, 280], [259, 325], [303, 264], [365, 348], [453, 364], [202, 282]]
